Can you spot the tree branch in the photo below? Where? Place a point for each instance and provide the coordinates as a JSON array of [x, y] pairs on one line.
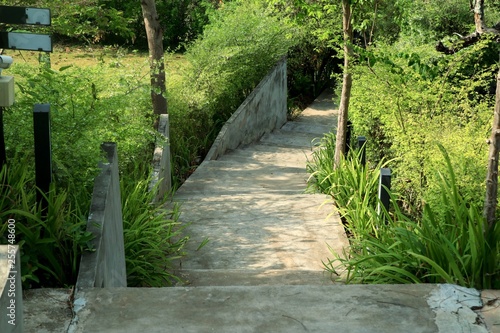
[[477, 7], [466, 41]]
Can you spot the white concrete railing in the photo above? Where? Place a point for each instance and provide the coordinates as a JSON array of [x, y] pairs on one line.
[[105, 265]]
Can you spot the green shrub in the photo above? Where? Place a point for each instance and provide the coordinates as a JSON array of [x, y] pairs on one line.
[[237, 49], [88, 106], [424, 98]]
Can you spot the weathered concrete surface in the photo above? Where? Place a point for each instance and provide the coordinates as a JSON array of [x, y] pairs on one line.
[[250, 205], [47, 310], [11, 293], [490, 312], [280, 309], [262, 111]]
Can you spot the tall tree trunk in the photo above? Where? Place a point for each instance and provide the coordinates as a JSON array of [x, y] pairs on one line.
[[490, 202], [154, 34], [478, 8], [340, 145]]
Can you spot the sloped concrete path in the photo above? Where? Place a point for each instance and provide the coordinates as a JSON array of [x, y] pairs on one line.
[[261, 271], [250, 205]]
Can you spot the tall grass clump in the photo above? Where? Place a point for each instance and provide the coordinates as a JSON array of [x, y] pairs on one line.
[[152, 233], [454, 246], [353, 186], [51, 240]]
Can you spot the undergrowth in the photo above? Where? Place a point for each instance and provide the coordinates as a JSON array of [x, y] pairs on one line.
[[153, 236], [394, 247]]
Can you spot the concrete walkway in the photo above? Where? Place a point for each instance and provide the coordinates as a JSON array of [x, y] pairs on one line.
[[261, 270], [250, 205]]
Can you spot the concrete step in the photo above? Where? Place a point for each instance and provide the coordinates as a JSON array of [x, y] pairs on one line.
[[284, 138], [269, 154], [279, 309], [47, 310], [253, 277]]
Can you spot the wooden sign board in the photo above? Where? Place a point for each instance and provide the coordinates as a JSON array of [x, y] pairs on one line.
[[22, 40], [25, 15], [25, 41]]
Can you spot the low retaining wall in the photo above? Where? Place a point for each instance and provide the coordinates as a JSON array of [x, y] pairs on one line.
[[262, 111], [11, 293], [105, 265]]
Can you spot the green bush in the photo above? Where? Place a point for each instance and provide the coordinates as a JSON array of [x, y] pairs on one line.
[[88, 106], [425, 98]]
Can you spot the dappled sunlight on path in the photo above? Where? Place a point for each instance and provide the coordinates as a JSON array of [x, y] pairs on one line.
[[251, 205]]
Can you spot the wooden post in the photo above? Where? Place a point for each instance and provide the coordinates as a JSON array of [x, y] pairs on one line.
[[383, 189], [3, 158], [362, 148], [43, 152]]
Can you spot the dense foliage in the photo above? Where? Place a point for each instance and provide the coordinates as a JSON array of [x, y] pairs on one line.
[[425, 98], [110, 102], [426, 116], [237, 49], [406, 98], [85, 112], [121, 22]]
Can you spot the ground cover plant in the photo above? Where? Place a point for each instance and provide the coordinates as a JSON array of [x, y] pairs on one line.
[[153, 237]]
